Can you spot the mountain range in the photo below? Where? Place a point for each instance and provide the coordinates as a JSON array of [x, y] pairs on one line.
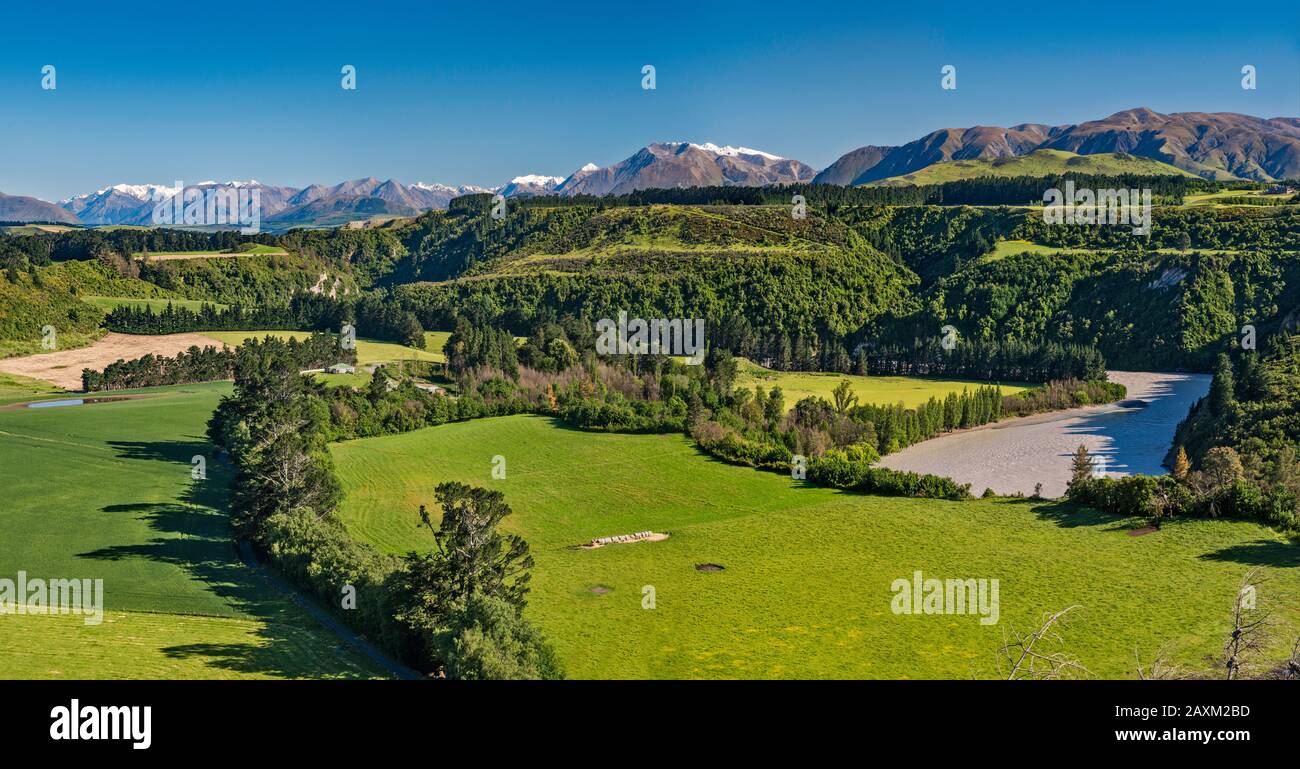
[[1217, 145], [17, 208], [133, 204], [684, 164]]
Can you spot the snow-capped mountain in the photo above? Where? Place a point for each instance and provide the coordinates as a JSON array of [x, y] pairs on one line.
[[686, 164], [663, 164], [530, 184], [669, 165], [572, 179], [1213, 145], [366, 198], [134, 203], [437, 196], [117, 204], [733, 152]]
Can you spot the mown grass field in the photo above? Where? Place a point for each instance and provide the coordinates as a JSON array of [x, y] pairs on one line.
[[434, 341], [806, 587], [15, 388], [1004, 248], [109, 303], [104, 491], [912, 391], [1043, 162], [258, 249], [1225, 197], [132, 645], [35, 229], [369, 352]]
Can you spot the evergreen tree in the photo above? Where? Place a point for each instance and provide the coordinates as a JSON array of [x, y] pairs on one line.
[[1081, 468], [1222, 388]]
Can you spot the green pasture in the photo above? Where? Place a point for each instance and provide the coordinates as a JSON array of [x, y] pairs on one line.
[[805, 586], [109, 303], [105, 491], [369, 352], [912, 391]]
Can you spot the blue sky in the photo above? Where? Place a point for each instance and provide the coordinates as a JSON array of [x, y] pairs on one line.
[[478, 92]]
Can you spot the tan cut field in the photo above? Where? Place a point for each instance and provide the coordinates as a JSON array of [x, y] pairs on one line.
[[63, 367]]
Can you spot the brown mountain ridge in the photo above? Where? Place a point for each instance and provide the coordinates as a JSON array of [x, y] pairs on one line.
[[1215, 145]]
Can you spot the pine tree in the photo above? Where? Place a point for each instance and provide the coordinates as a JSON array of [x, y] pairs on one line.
[[1223, 388], [1080, 469]]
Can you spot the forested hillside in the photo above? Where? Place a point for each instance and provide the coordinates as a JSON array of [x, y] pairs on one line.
[[35, 297], [851, 272], [871, 275], [36, 291]]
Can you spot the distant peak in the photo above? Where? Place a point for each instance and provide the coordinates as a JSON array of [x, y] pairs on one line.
[[1140, 114], [232, 183], [536, 179], [730, 151]]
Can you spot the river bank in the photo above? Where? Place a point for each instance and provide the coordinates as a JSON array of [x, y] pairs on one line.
[[1014, 455]]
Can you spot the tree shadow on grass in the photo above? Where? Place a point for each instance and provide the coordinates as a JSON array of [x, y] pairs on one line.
[[196, 539], [1261, 552], [195, 535], [1068, 515], [280, 654], [210, 492], [179, 451]]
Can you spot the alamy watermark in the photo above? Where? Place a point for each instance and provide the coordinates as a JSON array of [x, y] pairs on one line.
[[53, 596], [659, 336], [210, 206], [1087, 206], [131, 723], [946, 596]]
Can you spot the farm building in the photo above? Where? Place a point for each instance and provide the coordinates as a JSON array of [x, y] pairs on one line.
[[341, 368]]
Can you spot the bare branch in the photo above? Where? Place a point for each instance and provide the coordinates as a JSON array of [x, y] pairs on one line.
[[1032, 663]]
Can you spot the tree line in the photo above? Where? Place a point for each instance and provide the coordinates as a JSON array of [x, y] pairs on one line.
[[1235, 455], [454, 609], [209, 364], [655, 393], [371, 315], [987, 190], [90, 243], [992, 360]]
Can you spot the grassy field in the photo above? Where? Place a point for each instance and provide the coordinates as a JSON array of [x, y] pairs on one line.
[[35, 229], [131, 645], [368, 352], [355, 381], [1224, 198], [806, 587], [258, 249], [797, 385], [1036, 163], [68, 340], [106, 493], [15, 388], [113, 302], [434, 341], [1004, 248]]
